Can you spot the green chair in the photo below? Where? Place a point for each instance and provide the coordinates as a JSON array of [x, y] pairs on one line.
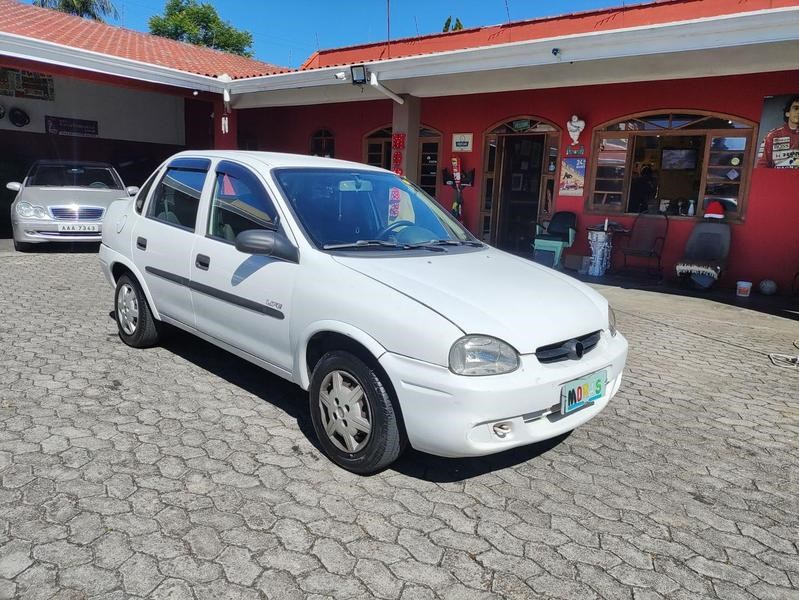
[[557, 235]]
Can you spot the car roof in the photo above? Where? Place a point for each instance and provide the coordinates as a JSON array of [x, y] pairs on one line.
[[277, 159]]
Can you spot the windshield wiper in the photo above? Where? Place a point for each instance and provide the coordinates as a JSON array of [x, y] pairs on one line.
[[382, 244], [447, 243], [361, 244]]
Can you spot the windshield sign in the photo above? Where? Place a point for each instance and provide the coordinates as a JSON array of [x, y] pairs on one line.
[[341, 209]]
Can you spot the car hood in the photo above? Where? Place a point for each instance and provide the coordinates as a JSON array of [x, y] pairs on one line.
[[493, 293], [53, 196]]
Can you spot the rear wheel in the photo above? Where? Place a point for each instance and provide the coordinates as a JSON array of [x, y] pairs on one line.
[[137, 327], [353, 414]]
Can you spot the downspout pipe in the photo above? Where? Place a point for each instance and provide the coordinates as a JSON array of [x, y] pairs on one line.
[[373, 81]]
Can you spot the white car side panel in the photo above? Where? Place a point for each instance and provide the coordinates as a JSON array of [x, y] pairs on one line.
[[244, 300], [327, 290]]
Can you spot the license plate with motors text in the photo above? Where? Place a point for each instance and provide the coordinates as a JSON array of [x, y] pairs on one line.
[[582, 392], [79, 227]]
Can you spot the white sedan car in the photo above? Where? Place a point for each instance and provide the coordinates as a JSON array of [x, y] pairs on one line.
[[351, 282]]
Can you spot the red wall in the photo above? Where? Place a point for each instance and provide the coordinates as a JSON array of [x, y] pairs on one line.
[[764, 245]]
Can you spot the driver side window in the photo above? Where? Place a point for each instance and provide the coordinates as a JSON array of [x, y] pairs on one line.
[[239, 203]]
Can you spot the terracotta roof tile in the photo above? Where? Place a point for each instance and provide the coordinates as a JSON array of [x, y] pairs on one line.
[[652, 13], [59, 28]]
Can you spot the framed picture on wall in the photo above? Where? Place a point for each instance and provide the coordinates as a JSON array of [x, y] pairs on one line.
[[778, 146]]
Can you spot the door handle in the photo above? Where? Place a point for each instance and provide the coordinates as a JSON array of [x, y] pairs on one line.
[[202, 262], [141, 243]]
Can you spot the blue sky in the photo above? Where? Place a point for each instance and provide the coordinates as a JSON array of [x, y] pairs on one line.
[[287, 32]]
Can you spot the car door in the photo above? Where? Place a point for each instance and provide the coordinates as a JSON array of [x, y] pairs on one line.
[[164, 238], [242, 299]]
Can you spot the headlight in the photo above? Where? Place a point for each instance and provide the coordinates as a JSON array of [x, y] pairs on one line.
[[28, 210], [612, 321], [25, 209], [482, 355]]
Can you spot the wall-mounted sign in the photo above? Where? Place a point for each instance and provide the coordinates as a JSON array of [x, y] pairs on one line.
[[575, 150], [572, 177], [26, 84], [462, 142], [68, 126]]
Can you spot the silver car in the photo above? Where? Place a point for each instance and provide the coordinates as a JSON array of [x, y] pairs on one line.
[[64, 201]]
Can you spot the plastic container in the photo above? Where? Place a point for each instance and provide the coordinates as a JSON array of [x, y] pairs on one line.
[[743, 288]]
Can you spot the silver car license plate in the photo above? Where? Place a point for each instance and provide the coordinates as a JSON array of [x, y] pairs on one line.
[[79, 227]]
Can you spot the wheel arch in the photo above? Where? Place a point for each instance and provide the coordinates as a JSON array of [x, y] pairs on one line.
[[120, 267], [333, 335]]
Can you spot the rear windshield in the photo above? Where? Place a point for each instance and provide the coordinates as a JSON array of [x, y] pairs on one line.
[[98, 177]]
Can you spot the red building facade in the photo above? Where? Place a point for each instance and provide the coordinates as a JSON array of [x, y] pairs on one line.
[[765, 238]]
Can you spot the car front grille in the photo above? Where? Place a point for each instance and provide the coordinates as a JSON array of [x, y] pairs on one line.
[[77, 213], [573, 349]]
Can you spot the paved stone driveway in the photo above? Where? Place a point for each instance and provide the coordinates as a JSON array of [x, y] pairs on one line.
[[183, 472]]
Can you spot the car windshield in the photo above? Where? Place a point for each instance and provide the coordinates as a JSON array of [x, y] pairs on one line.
[[341, 209], [85, 176]]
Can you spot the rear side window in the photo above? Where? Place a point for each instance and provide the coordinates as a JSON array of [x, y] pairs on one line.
[[240, 202], [177, 196], [141, 197]]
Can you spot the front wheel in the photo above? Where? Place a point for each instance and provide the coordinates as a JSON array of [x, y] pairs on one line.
[[353, 414], [137, 327]]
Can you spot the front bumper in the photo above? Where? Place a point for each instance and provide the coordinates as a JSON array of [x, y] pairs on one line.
[[34, 231], [452, 415]]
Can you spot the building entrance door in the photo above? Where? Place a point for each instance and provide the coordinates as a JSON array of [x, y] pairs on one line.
[[520, 189], [519, 170]]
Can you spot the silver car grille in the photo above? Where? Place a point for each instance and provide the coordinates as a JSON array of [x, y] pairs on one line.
[[77, 213]]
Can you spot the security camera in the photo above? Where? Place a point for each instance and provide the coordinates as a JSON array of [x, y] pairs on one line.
[[341, 75], [555, 51]]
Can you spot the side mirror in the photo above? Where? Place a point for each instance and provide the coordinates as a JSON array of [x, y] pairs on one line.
[[267, 243], [14, 186], [132, 190]]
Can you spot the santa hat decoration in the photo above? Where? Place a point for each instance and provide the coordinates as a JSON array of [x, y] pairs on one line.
[[714, 210]]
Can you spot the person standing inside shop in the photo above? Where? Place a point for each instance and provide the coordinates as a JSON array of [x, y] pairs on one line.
[[780, 148], [643, 190]]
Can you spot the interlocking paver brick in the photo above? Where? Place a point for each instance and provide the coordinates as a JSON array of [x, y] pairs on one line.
[[183, 472]]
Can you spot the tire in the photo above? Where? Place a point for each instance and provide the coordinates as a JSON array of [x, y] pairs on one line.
[[348, 445], [22, 246], [135, 322]]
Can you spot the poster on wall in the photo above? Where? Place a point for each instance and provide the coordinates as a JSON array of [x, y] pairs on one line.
[[572, 176], [778, 146], [26, 84], [67, 126]]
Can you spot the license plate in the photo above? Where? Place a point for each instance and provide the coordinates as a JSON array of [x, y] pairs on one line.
[[582, 392], [79, 227]]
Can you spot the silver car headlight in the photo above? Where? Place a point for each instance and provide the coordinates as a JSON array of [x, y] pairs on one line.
[[25, 209], [482, 355], [612, 321], [28, 210]]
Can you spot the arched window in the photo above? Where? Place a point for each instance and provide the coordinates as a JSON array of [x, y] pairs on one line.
[[673, 162], [323, 143]]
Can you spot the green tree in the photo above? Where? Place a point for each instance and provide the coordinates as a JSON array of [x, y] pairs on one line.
[[198, 23], [448, 26], [89, 9]]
